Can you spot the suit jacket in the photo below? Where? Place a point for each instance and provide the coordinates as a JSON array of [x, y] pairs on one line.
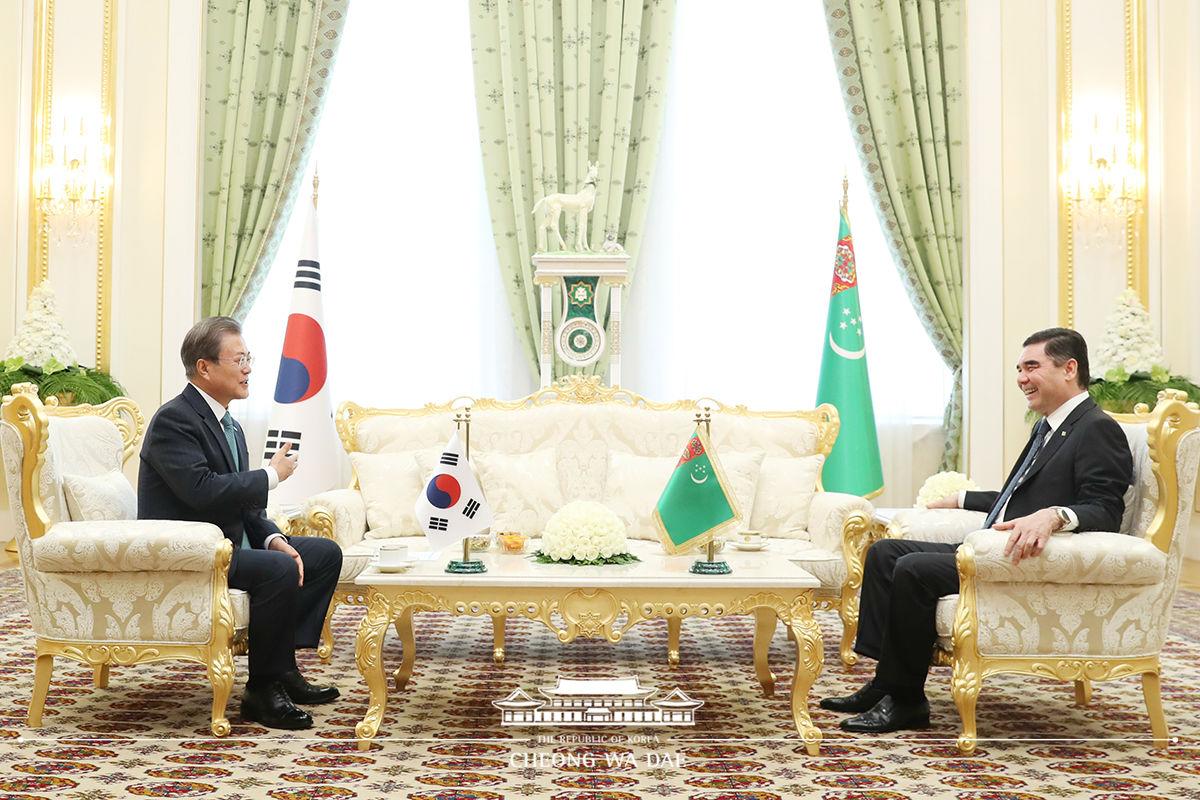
[[187, 473], [1085, 466]]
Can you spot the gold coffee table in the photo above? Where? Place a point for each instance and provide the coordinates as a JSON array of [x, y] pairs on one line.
[[586, 601]]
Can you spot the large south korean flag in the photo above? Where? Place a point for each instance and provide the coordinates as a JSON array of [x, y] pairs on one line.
[[302, 413], [452, 507]]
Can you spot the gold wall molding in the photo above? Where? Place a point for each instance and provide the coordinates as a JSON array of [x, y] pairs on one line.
[[43, 96], [1136, 227]]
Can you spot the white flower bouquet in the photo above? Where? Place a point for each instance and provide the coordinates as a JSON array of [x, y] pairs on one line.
[[584, 532], [943, 484]]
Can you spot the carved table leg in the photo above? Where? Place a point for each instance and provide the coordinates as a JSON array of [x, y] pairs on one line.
[[368, 653], [674, 623], [498, 621], [764, 629], [408, 643], [810, 658]]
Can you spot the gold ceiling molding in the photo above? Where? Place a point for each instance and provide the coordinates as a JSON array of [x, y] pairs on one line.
[[42, 120], [1136, 232]]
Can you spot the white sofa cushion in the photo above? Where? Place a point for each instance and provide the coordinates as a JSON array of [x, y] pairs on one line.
[[521, 488], [636, 482], [390, 484], [785, 490], [102, 497]]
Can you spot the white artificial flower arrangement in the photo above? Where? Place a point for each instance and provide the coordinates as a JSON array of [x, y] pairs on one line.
[[1129, 343], [584, 532], [42, 339], [943, 484]]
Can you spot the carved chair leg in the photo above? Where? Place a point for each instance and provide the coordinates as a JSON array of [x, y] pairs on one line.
[[498, 621], [848, 611], [1153, 697], [674, 624], [325, 649], [1083, 692], [41, 685], [965, 688], [100, 676], [220, 675]]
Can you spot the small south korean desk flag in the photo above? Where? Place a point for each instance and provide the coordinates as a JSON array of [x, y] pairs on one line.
[[452, 507]]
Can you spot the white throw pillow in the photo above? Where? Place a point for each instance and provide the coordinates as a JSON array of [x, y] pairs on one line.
[[390, 484], [102, 497], [785, 491], [635, 483], [521, 488]]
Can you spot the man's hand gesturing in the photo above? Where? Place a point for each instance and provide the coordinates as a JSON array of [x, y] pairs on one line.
[[284, 464]]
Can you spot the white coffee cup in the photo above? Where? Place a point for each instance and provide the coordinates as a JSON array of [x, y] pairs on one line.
[[393, 555], [749, 537]]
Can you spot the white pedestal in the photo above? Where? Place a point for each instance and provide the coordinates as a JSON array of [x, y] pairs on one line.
[[550, 270]]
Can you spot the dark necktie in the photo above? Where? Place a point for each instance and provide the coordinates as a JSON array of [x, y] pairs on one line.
[[1039, 438], [231, 437]]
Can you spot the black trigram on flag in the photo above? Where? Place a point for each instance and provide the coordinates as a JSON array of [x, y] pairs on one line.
[[438, 523], [450, 459], [308, 274], [277, 439], [470, 508]]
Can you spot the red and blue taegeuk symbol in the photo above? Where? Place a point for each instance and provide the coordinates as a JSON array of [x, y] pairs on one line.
[[302, 367], [443, 491]]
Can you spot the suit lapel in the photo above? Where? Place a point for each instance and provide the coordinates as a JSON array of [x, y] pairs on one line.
[[209, 422], [1059, 438]]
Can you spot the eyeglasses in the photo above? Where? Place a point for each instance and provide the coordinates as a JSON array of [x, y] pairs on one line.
[[243, 361]]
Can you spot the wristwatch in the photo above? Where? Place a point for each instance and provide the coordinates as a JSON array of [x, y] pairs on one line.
[[1063, 516]]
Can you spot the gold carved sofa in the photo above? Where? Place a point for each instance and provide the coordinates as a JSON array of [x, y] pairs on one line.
[[1094, 605], [101, 586], [580, 440]]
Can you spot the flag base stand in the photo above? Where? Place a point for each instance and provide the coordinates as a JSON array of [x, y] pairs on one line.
[[711, 568], [710, 565], [467, 566]]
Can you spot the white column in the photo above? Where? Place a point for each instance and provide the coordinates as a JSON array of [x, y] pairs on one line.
[[547, 358]]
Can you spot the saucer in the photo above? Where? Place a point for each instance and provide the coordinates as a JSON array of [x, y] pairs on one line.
[[749, 545], [403, 565]]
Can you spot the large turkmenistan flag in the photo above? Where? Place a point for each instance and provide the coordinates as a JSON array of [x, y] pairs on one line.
[[853, 466], [696, 504]]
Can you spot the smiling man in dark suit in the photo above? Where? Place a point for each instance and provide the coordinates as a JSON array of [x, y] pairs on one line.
[[1072, 475], [194, 466]]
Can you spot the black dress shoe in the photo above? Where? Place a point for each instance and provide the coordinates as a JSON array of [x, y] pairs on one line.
[[303, 692], [887, 715], [270, 705], [862, 700]]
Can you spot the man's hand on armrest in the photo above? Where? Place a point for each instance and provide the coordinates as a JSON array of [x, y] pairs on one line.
[[1029, 533], [949, 501]]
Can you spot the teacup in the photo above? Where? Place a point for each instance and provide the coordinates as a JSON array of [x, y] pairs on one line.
[[752, 538], [393, 555]]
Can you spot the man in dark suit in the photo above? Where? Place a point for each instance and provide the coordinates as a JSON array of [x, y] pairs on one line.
[[195, 466], [1072, 475]]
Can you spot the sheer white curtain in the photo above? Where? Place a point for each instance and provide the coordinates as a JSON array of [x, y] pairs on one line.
[[731, 292], [733, 286]]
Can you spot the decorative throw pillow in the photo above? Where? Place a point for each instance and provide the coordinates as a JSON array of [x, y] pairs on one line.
[[522, 488], [785, 491], [636, 482], [390, 484], [101, 497]]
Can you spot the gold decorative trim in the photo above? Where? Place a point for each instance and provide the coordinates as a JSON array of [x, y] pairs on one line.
[[121, 411], [1066, 210], [27, 416], [104, 224], [43, 85]]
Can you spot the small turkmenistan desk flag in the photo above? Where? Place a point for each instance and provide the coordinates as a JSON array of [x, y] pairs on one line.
[[452, 506], [696, 503], [853, 466]]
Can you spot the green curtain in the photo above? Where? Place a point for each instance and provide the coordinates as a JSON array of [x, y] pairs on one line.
[[900, 65], [267, 67], [559, 83]]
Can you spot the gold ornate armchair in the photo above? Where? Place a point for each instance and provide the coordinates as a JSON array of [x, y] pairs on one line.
[[1095, 605], [102, 587]]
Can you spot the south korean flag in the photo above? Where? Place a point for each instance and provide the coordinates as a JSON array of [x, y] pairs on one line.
[[452, 507]]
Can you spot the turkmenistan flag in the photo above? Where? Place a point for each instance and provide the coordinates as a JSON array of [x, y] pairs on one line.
[[853, 466], [696, 503]]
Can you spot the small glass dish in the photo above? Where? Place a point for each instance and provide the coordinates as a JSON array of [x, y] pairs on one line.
[[513, 542], [481, 543]]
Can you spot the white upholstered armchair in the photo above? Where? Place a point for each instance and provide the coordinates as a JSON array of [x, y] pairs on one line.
[[1094, 605], [102, 587]]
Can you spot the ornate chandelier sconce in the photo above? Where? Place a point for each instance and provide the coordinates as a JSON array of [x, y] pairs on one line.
[[74, 178], [1103, 181]]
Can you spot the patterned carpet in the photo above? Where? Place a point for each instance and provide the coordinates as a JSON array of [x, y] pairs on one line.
[[147, 734]]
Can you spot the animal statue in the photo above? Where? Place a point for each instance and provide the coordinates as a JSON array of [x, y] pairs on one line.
[[611, 245], [581, 202]]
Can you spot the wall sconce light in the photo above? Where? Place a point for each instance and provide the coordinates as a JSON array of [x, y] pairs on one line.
[[73, 179], [1102, 178]]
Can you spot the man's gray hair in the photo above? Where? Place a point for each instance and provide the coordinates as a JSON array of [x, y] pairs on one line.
[[203, 341]]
